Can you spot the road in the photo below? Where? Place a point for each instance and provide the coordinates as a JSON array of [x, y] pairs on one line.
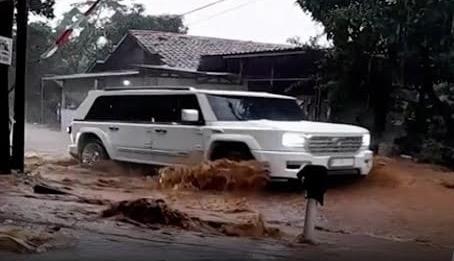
[[384, 217], [39, 139], [183, 245]]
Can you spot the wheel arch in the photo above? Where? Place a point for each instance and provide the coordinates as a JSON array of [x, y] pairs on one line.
[[88, 135], [239, 141]]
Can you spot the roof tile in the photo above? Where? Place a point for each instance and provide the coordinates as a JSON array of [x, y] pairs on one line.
[[185, 51]]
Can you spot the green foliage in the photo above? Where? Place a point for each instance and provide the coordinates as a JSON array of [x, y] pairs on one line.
[[95, 39], [43, 7], [102, 32], [395, 55]]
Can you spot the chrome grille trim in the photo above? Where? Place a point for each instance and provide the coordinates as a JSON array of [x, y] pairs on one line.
[[334, 144]]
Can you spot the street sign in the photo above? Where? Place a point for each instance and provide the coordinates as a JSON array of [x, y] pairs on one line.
[[6, 50]]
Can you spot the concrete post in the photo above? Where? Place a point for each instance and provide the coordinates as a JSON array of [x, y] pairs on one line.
[[310, 221]]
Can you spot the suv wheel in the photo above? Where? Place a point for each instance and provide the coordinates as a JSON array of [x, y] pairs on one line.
[[92, 153], [232, 152], [237, 155]]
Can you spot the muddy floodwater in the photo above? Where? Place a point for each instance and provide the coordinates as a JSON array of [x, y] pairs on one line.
[[400, 200]]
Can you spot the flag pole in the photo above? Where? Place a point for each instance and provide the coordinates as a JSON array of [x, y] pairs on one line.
[[64, 37]]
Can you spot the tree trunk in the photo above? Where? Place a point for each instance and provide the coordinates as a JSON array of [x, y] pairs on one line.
[[381, 88], [6, 24]]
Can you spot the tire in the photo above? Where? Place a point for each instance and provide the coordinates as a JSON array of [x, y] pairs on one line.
[[92, 153], [237, 155], [233, 155]]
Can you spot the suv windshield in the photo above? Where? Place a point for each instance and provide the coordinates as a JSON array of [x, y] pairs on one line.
[[247, 108]]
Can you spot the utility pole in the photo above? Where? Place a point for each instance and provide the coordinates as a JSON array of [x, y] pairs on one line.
[[6, 28], [19, 92]]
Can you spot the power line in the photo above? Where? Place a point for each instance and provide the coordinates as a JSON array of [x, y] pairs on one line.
[[224, 12], [202, 7]]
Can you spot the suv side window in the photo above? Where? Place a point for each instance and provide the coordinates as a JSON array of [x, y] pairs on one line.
[[119, 108], [142, 108], [167, 108]]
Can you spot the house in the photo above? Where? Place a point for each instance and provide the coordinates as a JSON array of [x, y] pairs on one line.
[[151, 58], [173, 50], [290, 71]]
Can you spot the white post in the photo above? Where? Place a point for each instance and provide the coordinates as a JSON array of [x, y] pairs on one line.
[[309, 221]]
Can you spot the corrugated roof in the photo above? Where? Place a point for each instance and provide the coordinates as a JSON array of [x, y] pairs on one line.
[[89, 75], [167, 68], [185, 51]]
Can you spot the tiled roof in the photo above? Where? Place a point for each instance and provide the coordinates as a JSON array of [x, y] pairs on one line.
[[185, 51]]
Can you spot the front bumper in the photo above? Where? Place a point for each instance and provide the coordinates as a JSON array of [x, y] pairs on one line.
[[287, 165]]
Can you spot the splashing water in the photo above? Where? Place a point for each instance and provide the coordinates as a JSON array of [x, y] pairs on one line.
[[221, 175]]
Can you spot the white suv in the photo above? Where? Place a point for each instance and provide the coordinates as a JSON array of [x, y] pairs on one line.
[[166, 126]]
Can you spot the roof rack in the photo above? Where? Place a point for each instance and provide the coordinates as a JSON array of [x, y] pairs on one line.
[[135, 88]]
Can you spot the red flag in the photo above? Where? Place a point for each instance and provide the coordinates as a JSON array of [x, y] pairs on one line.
[[64, 37]]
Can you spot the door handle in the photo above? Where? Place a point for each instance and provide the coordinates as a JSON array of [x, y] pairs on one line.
[[113, 128], [160, 131]]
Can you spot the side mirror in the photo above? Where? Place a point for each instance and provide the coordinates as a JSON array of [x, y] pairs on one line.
[[190, 115]]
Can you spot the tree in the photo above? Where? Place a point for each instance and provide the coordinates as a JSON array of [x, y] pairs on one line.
[[101, 33], [43, 8], [95, 39], [40, 37], [395, 52]]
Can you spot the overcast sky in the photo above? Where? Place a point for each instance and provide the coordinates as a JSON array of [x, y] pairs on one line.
[[257, 20]]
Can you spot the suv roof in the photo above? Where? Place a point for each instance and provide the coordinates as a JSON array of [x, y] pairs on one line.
[[185, 89]]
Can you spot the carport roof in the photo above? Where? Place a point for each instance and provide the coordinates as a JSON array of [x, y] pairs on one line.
[[89, 75]]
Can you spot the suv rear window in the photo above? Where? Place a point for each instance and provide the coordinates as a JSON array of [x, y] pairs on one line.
[[142, 108]]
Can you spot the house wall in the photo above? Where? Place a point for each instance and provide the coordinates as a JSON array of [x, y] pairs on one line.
[[130, 51], [75, 92]]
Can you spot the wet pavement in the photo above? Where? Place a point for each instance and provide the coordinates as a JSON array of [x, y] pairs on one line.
[[187, 246]]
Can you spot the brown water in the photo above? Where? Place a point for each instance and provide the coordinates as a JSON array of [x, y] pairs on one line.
[[221, 175], [400, 199], [147, 211]]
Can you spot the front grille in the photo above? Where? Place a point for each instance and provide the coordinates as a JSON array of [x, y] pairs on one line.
[[330, 144]]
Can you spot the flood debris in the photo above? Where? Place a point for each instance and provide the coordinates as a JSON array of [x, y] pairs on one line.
[[47, 189], [107, 183], [32, 239], [253, 227], [149, 212], [448, 184], [221, 175], [94, 201], [14, 244]]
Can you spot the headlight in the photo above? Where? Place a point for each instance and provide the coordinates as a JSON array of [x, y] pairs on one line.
[[293, 140], [366, 140]]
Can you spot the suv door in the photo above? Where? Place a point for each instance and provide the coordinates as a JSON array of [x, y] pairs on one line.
[[175, 142], [125, 121]]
